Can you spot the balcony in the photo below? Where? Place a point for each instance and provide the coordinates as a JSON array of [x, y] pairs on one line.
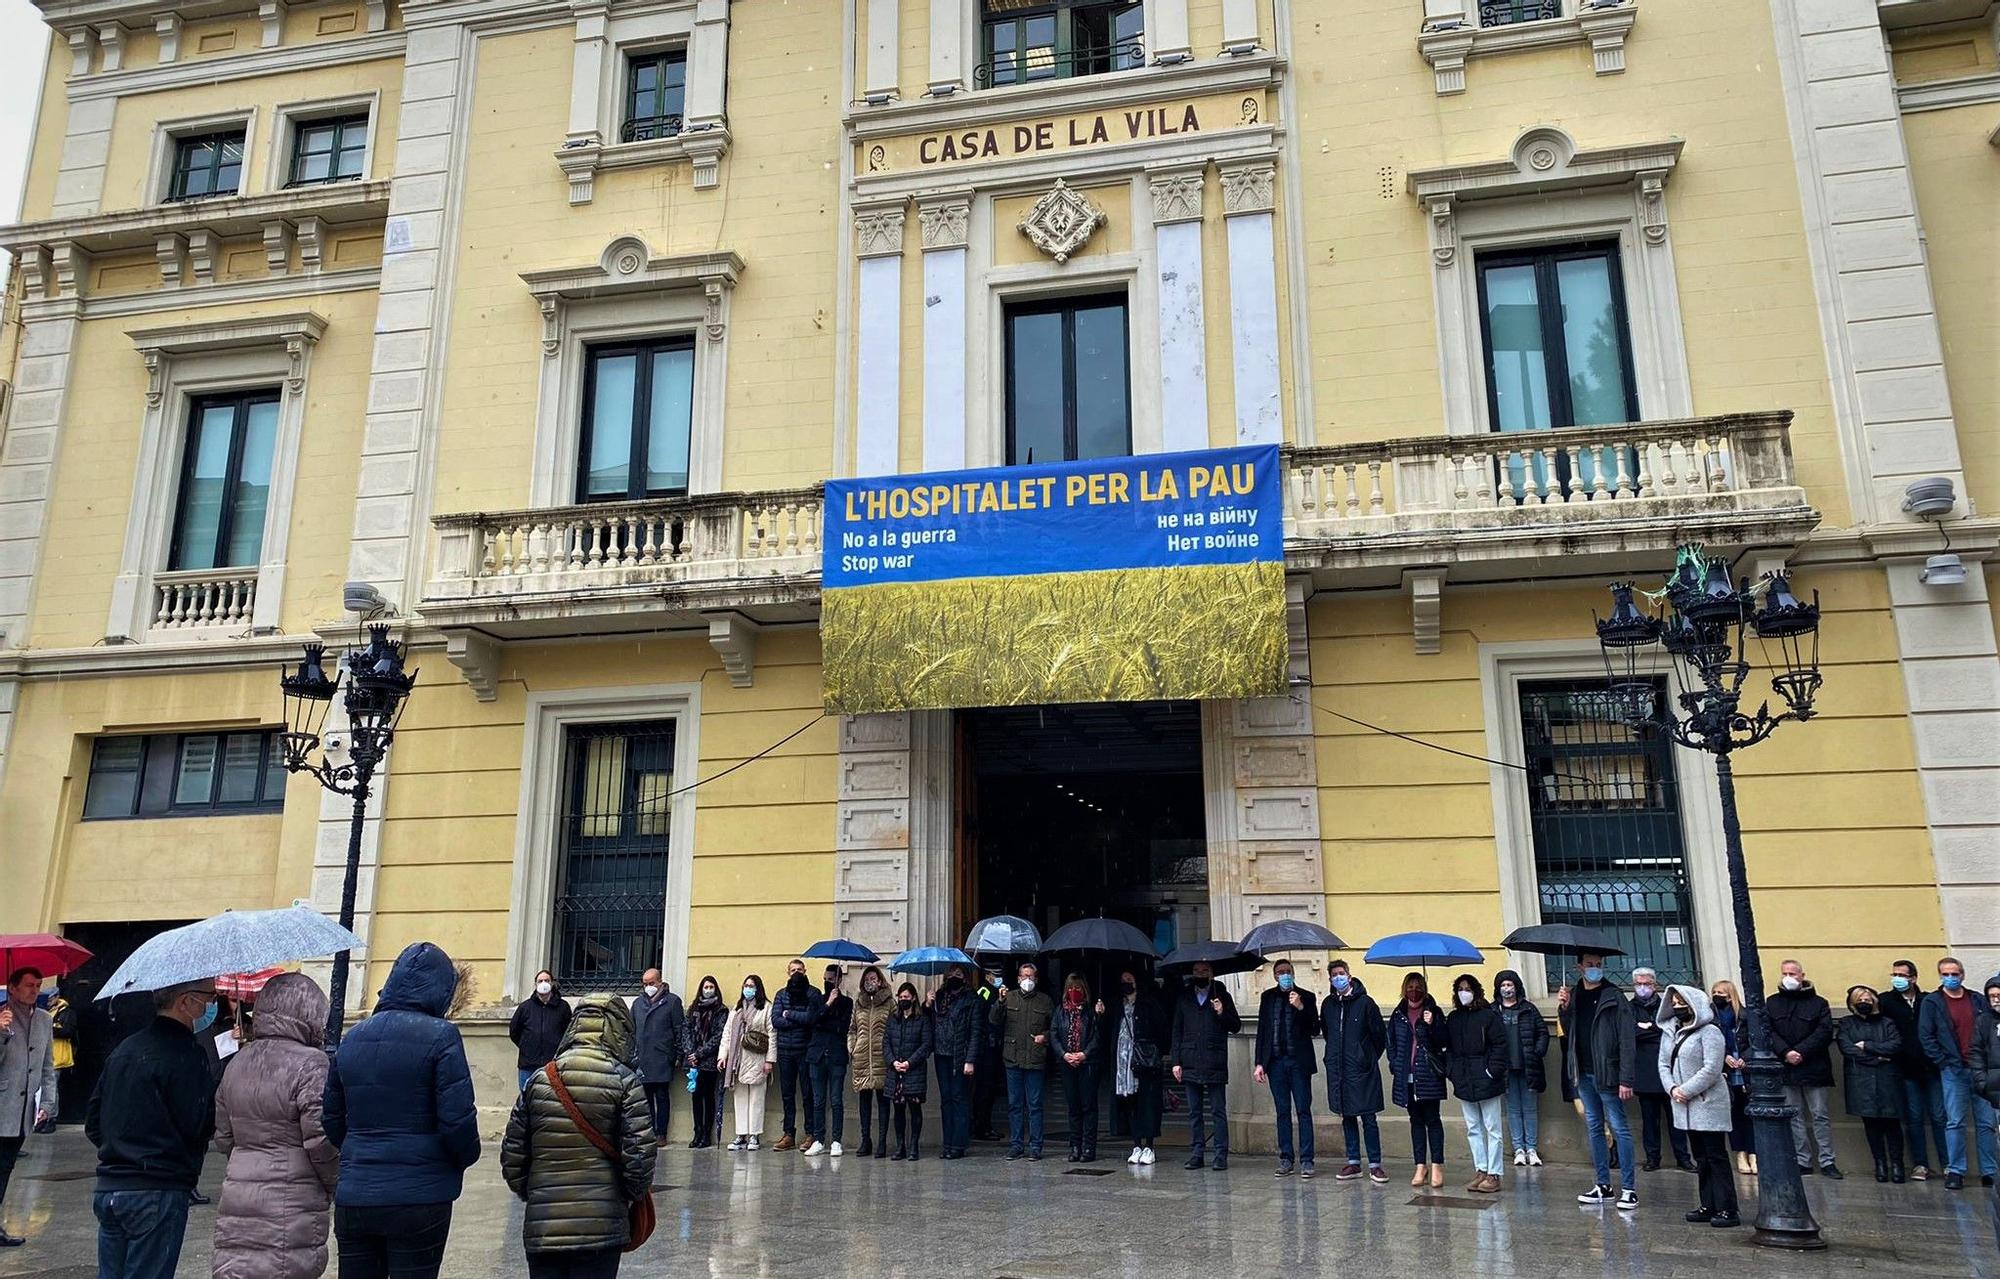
[[201, 598]]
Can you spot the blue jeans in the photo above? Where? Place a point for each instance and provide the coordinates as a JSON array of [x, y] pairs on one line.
[[521, 1078], [1601, 1106], [1024, 1109], [1923, 1118], [1291, 1089], [1963, 1108], [1355, 1127], [827, 1077], [139, 1232], [1524, 1120]]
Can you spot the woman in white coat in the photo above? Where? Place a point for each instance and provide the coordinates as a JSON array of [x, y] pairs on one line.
[[1692, 1067], [749, 1055]]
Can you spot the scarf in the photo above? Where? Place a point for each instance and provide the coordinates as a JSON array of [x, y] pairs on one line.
[[1073, 1005]]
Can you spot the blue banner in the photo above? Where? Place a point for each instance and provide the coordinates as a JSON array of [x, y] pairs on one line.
[[1167, 510]]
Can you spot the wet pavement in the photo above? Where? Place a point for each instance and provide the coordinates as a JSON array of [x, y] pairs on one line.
[[738, 1216]]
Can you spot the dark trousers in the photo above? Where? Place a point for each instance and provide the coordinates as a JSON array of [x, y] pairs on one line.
[[598, 1263], [954, 1104], [874, 1104], [1024, 1108], [139, 1232], [1885, 1139], [1291, 1090], [402, 1242], [793, 1082], [827, 1076], [1711, 1166], [1655, 1110], [1742, 1138], [1426, 1132], [707, 1113], [909, 1124], [1139, 1114], [1210, 1103], [10, 1150], [1080, 1097], [661, 1098], [989, 1084]]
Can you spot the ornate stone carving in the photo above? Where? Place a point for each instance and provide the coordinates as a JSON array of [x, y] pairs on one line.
[[1061, 222], [711, 310], [156, 376], [1444, 233], [312, 243], [1250, 111], [296, 348], [1249, 188], [1177, 196], [1653, 206], [1426, 588], [734, 638], [878, 158], [477, 657], [551, 325], [278, 246], [942, 225], [879, 232]]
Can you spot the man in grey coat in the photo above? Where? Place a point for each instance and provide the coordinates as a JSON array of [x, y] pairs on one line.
[[662, 1023], [27, 1073]]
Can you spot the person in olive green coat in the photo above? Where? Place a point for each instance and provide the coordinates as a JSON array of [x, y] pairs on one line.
[[577, 1196]]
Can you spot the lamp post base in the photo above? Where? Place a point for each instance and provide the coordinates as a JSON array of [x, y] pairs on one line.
[[1784, 1218]]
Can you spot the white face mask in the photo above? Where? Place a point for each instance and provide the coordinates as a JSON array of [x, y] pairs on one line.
[[1790, 983], [1027, 985], [652, 992], [1465, 999], [545, 987]]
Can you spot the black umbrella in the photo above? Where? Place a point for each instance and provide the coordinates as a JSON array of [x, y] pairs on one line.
[[1290, 934], [1560, 939], [1113, 935], [1221, 956]]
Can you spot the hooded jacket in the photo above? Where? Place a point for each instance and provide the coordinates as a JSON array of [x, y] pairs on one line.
[[577, 1196], [1690, 1058], [661, 1026], [1201, 1035], [1355, 1040], [1415, 1062], [1985, 1061], [1869, 1048], [1527, 1032], [864, 1038], [277, 1194], [399, 1097], [537, 1028], [1801, 1022]]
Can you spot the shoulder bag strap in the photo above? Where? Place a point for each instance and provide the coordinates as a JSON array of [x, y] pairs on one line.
[[583, 1126]]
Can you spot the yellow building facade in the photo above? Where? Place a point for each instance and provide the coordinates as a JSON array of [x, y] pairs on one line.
[[550, 320]]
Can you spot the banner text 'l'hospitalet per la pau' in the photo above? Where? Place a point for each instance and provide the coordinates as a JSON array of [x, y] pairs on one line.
[[1119, 579]]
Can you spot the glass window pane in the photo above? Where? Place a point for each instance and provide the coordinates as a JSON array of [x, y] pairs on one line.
[[315, 168], [353, 149], [242, 755], [1102, 416], [603, 801], [316, 139], [607, 471], [196, 781], [1593, 342], [200, 514], [113, 787], [1035, 387], [672, 410], [652, 790], [274, 771], [1516, 361], [253, 484]]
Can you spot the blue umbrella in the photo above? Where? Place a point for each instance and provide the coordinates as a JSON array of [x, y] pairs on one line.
[[1423, 949], [929, 961], [841, 950]]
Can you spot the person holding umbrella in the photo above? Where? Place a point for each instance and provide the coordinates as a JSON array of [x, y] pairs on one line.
[[1356, 1038], [1600, 1061], [1204, 1019], [1287, 1015], [1416, 1036], [1078, 1027], [27, 1072]]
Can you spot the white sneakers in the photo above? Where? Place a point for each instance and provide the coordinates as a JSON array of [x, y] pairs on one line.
[[1133, 1158], [1146, 1155], [834, 1150], [1534, 1159], [741, 1143], [753, 1144], [815, 1149], [1628, 1200], [1520, 1159]]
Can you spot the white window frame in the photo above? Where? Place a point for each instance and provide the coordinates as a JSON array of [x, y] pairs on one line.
[[287, 119], [1503, 668], [531, 914], [167, 135], [185, 362], [1452, 33]]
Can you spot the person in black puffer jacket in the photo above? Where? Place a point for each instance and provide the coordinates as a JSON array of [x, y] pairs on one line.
[[1416, 1037], [907, 1044], [1869, 1043], [578, 1197], [1204, 1019], [794, 1009], [1527, 1034], [399, 1105], [1985, 1064], [1355, 1040], [1475, 1060], [958, 1023]]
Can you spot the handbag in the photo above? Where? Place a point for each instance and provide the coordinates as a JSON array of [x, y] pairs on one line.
[[639, 1216], [756, 1042]]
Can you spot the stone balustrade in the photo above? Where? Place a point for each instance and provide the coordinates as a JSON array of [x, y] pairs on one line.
[[204, 597]]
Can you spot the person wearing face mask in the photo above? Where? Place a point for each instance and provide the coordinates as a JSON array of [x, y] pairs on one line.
[[826, 1067], [1023, 1015], [1078, 1035], [1984, 1064], [1600, 1065], [1690, 1059], [989, 1076], [958, 1029], [27, 1070], [537, 1027], [1948, 1026], [1415, 1038], [1802, 1035], [1652, 1090], [1923, 1091], [1868, 1044], [1727, 1007], [1527, 1035], [662, 1027], [793, 1011], [1475, 1061], [749, 1055], [907, 1043], [150, 1119], [871, 1071], [1287, 1015], [701, 1051], [1356, 1038], [1143, 1039], [1204, 1019]]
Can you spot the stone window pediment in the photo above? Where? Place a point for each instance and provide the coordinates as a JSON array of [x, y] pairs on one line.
[[1455, 31]]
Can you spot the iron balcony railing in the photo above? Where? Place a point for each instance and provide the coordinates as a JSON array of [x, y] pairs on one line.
[[647, 128], [1026, 66]]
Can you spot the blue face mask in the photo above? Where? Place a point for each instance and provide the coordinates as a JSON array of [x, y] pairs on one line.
[[1952, 982], [206, 1019], [1900, 983], [1284, 981], [1340, 981], [1593, 974]]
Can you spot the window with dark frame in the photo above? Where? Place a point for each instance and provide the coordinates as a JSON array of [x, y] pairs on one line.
[[1028, 40], [611, 863], [225, 481], [186, 775], [1068, 379], [655, 95], [1505, 13], [638, 412], [329, 150], [206, 165]]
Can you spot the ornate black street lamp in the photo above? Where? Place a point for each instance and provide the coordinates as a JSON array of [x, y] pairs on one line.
[[1702, 625], [377, 687]]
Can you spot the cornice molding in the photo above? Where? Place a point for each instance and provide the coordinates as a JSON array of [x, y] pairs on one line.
[[230, 217], [226, 293], [1942, 95], [1543, 159], [183, 74]]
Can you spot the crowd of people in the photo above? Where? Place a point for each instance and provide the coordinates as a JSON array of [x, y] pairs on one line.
[[371, 1144]]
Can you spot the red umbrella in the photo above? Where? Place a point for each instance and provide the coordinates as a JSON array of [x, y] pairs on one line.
[[245, 985], [51, 954]]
